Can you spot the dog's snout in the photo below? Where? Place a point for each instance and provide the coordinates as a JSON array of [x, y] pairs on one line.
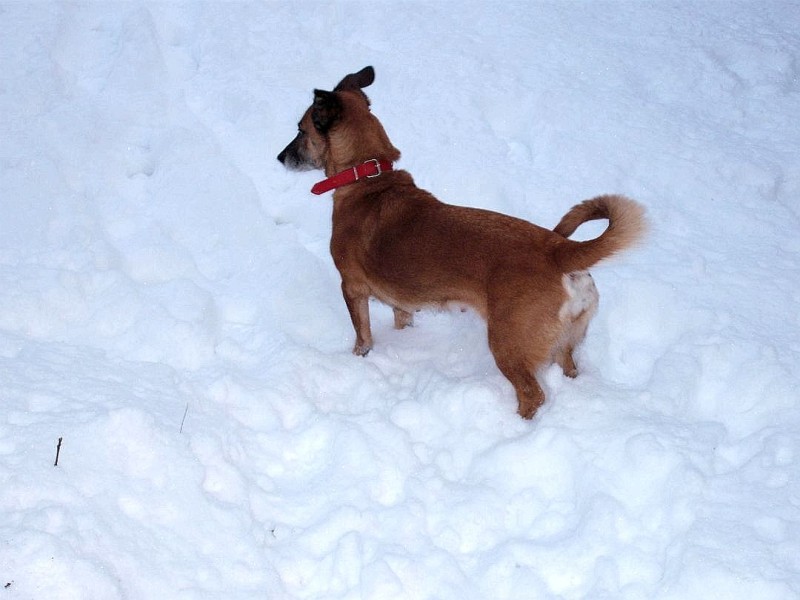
[[294, 157], [289, 155]]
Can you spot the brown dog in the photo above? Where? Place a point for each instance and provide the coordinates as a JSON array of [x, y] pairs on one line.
[[396, 242]]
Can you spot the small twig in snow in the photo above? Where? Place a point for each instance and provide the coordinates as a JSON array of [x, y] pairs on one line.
[[184, 417], [58, 451]]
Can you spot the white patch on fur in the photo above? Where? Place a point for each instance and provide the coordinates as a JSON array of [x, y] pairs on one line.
[[582, 296]]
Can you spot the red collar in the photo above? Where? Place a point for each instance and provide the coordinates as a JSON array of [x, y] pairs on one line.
[[371, 168]]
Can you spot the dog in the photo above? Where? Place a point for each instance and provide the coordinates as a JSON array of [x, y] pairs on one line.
[[396, 242]]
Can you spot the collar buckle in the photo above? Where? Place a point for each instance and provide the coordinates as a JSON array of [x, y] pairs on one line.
[[378, 170]]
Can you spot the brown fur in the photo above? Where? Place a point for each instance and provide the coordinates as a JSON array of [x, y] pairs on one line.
[[398, 243]]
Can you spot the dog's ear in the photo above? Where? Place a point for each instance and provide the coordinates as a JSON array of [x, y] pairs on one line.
[[327, 108], [356, 81]]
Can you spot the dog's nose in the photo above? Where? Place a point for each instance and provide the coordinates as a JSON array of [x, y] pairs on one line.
[[282, 156]]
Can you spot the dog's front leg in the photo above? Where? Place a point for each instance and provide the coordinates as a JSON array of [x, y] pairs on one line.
[[402, 318], [358, 305]]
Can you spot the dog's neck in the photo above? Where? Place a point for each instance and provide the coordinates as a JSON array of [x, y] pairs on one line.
[[366, 170]]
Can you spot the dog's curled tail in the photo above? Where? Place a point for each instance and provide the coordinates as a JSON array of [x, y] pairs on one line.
[[626, 226]]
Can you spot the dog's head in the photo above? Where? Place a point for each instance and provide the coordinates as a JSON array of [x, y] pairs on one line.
[[338, 130]]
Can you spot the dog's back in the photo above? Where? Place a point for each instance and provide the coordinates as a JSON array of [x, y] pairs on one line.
[[416, 250]]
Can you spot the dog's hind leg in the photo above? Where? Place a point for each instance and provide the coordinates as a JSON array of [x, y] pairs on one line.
[[573, 335], [523, 326], [575, 315], [567, 363], [515, 362], [357, 301], [402, 318]]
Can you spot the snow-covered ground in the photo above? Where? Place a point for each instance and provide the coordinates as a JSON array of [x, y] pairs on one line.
[[169, 309]]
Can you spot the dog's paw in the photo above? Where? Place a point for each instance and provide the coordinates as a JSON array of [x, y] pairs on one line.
[[362, 349], [528, 407], [403, 319], [526, 413]]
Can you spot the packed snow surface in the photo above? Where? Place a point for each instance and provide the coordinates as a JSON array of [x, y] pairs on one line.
[[169, 309]]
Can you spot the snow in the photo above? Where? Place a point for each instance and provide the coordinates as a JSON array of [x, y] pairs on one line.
[[169, 308]]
